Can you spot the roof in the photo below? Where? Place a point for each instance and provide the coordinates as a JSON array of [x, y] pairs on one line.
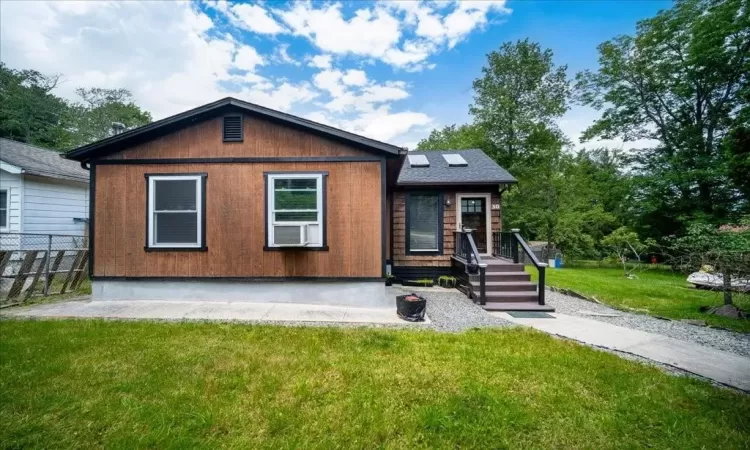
[[481, 169], [41, 162], [164, 126]]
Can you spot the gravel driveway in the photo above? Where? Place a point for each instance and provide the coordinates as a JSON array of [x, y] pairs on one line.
[[450, 310], [729, 341]]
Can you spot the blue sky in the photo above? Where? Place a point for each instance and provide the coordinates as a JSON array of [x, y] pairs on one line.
[[389, 70]]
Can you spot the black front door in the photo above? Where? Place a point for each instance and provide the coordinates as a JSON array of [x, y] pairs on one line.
[[474, 216]]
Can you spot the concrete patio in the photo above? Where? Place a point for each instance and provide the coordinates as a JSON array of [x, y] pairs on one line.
[[723, 367], [211, 310]]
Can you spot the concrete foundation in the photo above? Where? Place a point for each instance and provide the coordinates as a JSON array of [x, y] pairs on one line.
[[369, 294]]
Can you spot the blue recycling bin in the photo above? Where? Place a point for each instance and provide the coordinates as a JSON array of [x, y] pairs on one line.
[[558, 261]]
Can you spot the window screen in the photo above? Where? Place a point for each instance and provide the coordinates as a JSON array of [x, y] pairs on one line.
[[4, 208], [175, 211], [424, 227]]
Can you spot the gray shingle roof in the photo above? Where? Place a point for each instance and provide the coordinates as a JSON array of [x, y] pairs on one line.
[[480, 170], [41, 162]]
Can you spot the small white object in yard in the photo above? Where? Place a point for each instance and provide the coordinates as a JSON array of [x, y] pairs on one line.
[[598, 314], [716, 281]]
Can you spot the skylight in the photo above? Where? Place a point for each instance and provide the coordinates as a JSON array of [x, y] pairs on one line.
[[454, 160], [418, 161]]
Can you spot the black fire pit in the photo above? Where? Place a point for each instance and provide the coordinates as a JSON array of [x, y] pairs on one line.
[[411, 307]]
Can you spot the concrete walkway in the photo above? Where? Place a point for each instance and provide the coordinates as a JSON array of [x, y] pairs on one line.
[[723, 367], [212, 310]]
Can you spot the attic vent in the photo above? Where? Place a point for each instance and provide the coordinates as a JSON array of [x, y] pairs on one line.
[[233, 128], [455, 160], [418, 161]]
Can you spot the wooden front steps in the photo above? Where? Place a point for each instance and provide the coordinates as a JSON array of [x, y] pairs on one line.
[[508, 287]]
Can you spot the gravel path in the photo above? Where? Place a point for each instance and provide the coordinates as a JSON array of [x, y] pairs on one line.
[[728, 341], [451, 311]]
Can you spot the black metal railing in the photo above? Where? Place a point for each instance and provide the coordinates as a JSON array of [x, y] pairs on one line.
[[505, 245], [466, 249]]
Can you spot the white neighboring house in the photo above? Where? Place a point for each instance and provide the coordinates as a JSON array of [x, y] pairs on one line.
[[40, 193]]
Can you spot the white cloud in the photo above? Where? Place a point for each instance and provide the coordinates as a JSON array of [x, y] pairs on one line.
[[320, 61], [438, 27], [161, 51], [250, 17], [247, 58], [282, 56], [329, 80], [355, 77], [370, 32], [174, 57]]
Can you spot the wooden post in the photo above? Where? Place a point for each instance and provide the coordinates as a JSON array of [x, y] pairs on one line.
[[46, 267], [55, 265], [514, 244], [540, 286], [72, 271], [42, 265], [80, 270], [23, 274], [482, 288], [4, 258]]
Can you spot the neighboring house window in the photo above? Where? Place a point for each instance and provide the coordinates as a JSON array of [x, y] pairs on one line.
[[424, 223], [296, 210], [4, 208], [176, 211]]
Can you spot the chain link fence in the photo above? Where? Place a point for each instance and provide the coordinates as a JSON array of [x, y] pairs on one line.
[[33, 265]]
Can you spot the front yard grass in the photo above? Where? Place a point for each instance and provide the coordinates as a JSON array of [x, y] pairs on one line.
[[91, 383], [661, 292]]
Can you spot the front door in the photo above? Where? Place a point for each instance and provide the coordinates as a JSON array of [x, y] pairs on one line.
[[474, 216]]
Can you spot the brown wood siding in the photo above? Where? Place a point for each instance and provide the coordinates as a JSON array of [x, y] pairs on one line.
[[400, 258], [235, 223], [261, 139]]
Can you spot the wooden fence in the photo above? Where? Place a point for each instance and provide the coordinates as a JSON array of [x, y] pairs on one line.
[[26, 273]]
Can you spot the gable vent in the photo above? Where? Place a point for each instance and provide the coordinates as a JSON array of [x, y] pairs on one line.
[[233, 128]]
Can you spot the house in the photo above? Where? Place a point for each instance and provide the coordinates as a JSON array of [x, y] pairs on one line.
[[40, 193], [234, 201]]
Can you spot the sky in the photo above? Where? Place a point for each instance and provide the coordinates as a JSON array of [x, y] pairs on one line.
[[391, 71]]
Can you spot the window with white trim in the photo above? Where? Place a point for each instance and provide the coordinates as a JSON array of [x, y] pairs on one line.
[[295, 210], [175, 211], [4, 208]]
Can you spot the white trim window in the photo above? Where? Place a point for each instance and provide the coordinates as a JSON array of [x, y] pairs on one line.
[[296, 210], [176, 211], [4, 202]]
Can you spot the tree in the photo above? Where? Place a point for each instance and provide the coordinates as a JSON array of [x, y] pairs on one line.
[[29, 112], [521, 92], [101, 108], [624, 244], [455, 137], [681, 80], [726, 249]]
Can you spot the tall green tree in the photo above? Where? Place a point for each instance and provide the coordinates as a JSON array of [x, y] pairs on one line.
[[457, 137], [29, 111], [100, 109], [681, 80], [518, 97]]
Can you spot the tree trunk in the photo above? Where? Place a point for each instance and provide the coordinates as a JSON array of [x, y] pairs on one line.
[[727, 288]]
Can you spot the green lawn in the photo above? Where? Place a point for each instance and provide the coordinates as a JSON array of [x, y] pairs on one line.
[[661, 292], [88, 383]]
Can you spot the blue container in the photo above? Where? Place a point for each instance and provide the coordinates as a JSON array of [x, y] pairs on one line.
[[558, 261]]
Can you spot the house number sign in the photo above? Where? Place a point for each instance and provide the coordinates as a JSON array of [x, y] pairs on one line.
[[496, 206]]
